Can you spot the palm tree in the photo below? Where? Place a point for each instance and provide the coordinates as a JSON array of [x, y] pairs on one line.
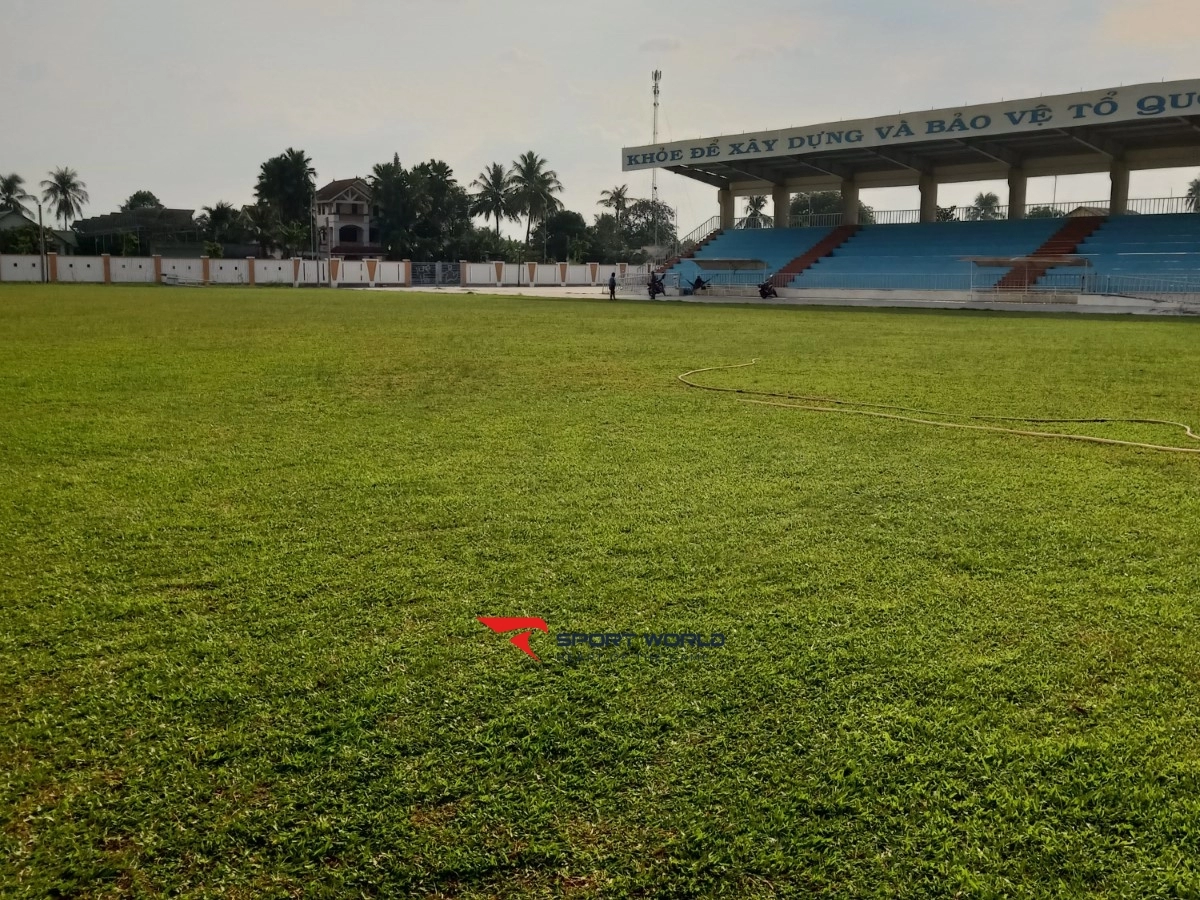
[[287, 182], [11, 193], [221, 221], [494, 199], [755, 218], [534, 187], [65, 194], [263, 223], [985, 208], [1193, 195], [616, 200]]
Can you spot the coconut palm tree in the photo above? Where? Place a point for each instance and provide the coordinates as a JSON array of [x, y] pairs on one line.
[[985, 208], [222, 222], [263, 223], [494, 198], [616, 200], [534, 187], [1193, 195], [12, 193], [65, 194], [755, 218]]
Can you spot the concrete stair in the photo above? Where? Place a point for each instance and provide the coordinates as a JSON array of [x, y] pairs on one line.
[[689, 254], [1063, 242], [820, 250]]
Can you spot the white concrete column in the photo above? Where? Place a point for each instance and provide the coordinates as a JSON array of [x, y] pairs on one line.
[[849, 202], [725, 201], [1018, 182], [929, 198], [781, 199], [1118, 199]]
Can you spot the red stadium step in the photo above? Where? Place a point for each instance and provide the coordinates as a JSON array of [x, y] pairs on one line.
[[820, 250], [1063, 242]]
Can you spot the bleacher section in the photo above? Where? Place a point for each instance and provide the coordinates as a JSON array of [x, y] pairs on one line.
[[932, 256], [1166, 247], [775, 246], [928, 256]]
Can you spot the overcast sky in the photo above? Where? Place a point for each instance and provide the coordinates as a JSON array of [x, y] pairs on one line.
[[187, 99]]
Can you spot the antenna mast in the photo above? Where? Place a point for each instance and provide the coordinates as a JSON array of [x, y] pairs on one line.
[[654, 171]]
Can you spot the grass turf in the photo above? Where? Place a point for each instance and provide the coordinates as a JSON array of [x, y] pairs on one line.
[[244, 536]]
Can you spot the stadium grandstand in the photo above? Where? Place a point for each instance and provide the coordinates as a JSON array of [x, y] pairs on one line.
[[1117, 246]]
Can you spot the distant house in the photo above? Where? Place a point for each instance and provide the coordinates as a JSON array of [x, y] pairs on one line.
[[345, 219], [56, 241]]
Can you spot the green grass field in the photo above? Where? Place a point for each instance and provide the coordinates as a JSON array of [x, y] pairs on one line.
[[245, 536]]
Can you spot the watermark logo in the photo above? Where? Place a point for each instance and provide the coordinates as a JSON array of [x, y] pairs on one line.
[[527, 625], [574, 642]]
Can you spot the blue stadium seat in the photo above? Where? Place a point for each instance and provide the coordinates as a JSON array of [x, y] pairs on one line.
[[928, 256], [775, 246], [1158, 247]]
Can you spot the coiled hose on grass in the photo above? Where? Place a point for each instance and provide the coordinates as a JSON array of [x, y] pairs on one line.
[[834, 405]]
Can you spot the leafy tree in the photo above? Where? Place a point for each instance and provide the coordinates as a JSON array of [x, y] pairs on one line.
[[947, 214], [287, 184], [825, 203], [649, 223], [12, 194], [494, 198], [141, 200], [1193, 195], [616, 199], [214, 250], [65, 194], [1044, 212], [293, 236], [131, 244], [606, 240], [534, 187], [986, 208], [755, 217], [26, 239], [446, 210], [482, 244], [392, 193], [563, 236]]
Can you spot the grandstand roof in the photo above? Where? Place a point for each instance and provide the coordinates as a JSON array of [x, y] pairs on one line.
[[1143, 126]]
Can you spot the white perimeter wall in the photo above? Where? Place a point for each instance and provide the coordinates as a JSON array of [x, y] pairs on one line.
[[140, 270]]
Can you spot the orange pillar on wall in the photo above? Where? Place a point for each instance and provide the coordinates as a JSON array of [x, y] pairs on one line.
[[250, 270], [204, 269], [106, 262], [562, 274], [295, 272], [157, 269], [407, 277], [462, 272], [52, 264]]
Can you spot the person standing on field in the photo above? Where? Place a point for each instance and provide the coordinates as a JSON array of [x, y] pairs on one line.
[[612, 286]]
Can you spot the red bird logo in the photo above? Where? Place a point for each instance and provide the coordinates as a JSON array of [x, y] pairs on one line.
[[503, 624]]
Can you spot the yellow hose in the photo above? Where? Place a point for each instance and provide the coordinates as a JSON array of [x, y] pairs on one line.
[[807, 406]]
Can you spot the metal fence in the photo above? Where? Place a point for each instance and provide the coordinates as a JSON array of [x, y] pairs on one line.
[[430, 274]]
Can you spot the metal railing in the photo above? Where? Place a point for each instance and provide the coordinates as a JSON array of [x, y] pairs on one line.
[[700, 233], [1143, 206], [878, 281], [815, 220]]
